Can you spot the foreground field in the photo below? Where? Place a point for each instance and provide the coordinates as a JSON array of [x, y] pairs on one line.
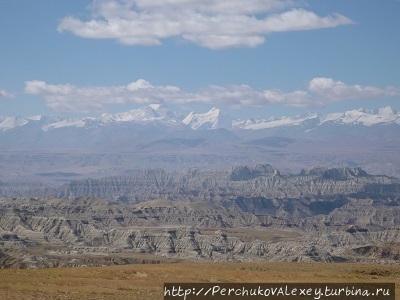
[[145, 282]]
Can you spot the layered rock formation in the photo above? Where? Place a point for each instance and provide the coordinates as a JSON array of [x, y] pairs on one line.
[[90, 231], [242, 214], [259, 181]]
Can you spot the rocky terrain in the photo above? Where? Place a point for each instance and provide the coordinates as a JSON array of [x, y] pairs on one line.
[[241, 214], [242, 186]]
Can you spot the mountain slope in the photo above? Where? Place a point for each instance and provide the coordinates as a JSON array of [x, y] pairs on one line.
[[213, 119], [382, 116]]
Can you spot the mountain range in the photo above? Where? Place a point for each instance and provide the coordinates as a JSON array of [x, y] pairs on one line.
[[200, 187], [162, 116], [48, 149]]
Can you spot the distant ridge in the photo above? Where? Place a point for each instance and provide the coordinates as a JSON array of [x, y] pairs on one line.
[[155, 136], [260, 181], [382, 116], [213, 119]]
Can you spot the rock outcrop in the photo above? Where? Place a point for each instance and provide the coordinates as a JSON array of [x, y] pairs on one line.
[[242, 214], [257, 182], [57, 232]]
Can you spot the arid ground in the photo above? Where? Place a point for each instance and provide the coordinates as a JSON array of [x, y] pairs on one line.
[[145, 281]]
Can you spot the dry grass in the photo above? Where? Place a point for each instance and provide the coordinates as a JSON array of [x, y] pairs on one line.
[[146, 281]]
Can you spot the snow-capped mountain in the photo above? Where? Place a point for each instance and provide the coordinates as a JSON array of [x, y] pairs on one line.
[[148, 113], [154, 136], [382, 116], [144, 115], [213, 119], [7, 123], [255, 124], [160, 116], [82, 122], [163, 111]]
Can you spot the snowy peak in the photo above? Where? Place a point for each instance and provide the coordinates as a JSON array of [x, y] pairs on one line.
[[212, 119], [161, 116], [385, 111], [145, 113], [255, 124], [384, 115], [65, 123], [7, 123], [151, 112], [163, 111]]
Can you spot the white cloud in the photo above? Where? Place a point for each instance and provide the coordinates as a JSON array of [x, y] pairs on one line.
[[5, 94], [300, 19], [234, 95], [212, 6], [296, 98], [330, 90], [215, 24], [321, 92], [70, 98]]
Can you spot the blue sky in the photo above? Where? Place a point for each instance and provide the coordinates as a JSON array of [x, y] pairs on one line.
[[250, 58]]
